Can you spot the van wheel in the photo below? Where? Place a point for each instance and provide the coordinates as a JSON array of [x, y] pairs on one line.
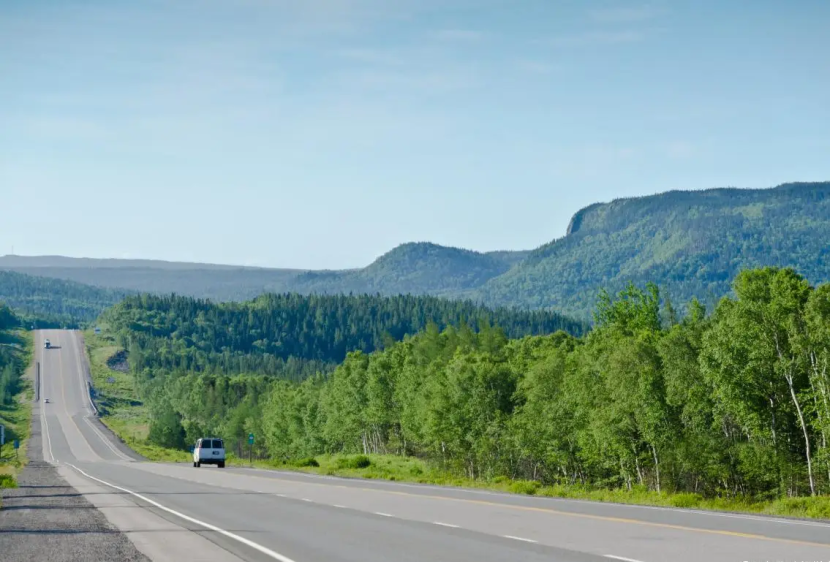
[[194, 464], [197, 464], [221, 464]]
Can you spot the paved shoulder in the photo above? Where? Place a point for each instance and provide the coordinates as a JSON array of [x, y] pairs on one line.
[[46, 519]]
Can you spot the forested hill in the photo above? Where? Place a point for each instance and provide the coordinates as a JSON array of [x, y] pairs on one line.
[[690, 243], [54, 301], [291, 335], [415, 268]]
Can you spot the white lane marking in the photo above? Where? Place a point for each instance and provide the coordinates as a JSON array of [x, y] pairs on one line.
[[519, 538], [624, 559], [243, 540], [340, 506], [384, 514], [280, 495], [450, 525], [307, 500]]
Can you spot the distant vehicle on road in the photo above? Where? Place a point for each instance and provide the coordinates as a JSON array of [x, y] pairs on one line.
[[46, 400], [47, 344], [209, 450]]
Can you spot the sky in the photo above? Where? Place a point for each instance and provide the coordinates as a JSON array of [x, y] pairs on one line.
[[322, 133]]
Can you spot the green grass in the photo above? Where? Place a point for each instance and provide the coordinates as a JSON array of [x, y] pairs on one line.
[[115, 398]]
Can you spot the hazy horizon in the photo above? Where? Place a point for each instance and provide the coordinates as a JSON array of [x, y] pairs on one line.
[[321, 135]]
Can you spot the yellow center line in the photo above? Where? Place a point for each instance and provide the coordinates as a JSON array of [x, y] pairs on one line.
[[549, 511]]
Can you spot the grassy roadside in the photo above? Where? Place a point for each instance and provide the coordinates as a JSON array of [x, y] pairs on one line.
[[17, 416], [115, 397], [128, 418]]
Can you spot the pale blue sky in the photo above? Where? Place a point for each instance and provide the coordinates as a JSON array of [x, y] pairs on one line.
[[321, 133]]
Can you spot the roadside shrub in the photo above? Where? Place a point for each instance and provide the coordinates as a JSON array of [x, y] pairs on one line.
[[685, 500], [356, 462], [527, 487], [309, 461], [7, 481]]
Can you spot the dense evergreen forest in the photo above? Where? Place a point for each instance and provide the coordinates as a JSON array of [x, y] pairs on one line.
[[691, 243], [47, 302], [290, 335], [735, 403]]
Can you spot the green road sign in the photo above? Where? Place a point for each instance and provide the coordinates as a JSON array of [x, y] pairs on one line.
[[250, 439]]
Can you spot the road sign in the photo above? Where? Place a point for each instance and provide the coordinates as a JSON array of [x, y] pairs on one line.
[[2, 435], [97, 330], [250, 439], [16, 443]]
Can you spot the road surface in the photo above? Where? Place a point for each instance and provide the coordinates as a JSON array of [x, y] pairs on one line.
[[177, 512]]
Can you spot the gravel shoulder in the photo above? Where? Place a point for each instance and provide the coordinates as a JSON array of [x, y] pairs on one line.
[[47, 519]]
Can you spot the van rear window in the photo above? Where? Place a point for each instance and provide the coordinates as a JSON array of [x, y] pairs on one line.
[[217, 444]]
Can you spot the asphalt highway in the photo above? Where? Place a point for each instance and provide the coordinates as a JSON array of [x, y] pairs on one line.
[[176, 512]]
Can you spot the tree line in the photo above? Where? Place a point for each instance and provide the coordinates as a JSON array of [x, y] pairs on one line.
[[289, 335], [736, 403], [12, 360]]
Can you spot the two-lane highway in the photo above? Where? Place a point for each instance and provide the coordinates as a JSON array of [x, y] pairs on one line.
[[173, 511]]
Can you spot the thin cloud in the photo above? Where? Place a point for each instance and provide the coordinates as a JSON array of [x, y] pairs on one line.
[[598, 38], [624, 15], [458, 35], [535, 67], [369, 56]]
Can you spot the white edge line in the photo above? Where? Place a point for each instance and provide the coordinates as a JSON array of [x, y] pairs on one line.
[[243, 540], [307, 500], [624, 559], [519, 538], [45, 428], [384, 514], [107, 441], [450, 525], [340, 506]]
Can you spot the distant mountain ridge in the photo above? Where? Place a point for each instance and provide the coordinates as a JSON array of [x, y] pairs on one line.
[[15, 261], [691, 243], [411, 268]]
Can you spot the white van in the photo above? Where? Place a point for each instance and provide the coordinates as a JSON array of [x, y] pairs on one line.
[[209, 450]]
